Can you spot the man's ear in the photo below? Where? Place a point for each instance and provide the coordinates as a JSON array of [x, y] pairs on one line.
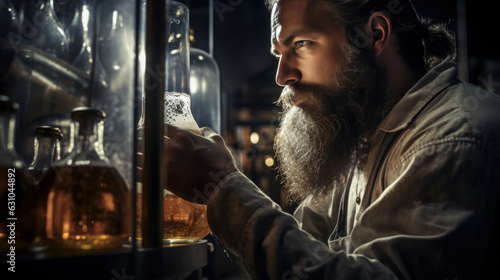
[[379, 28]]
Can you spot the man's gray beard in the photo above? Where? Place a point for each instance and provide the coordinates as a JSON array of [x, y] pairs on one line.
[[321, 142]]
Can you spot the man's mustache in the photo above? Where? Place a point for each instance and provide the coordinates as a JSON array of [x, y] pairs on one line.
[[287, 98], [299, 95]]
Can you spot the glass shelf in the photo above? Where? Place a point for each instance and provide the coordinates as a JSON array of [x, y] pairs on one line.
[[172, 261]]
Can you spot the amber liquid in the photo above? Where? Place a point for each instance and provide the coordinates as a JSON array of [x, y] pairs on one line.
[[183, 221], [88, 208]]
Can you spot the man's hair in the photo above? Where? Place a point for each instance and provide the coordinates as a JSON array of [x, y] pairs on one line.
[[422, 43]]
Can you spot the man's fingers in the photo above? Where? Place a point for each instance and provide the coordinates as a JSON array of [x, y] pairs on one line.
[[170, 130], [209, 133]]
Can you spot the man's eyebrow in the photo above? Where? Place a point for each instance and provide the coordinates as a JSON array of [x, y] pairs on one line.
[[288, 40]]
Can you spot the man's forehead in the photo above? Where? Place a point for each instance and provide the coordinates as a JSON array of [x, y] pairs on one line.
[[286, 13], [290, 15], [295, 7]]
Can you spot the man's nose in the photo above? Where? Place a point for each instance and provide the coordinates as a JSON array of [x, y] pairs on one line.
[[287, 74]]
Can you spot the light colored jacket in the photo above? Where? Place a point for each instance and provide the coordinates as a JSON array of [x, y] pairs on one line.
[[427, 208]]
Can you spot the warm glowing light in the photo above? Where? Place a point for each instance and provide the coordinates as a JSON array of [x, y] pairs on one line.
[[269, 161], [254, 138]]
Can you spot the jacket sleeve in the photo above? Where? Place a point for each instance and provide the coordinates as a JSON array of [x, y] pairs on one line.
[[437, 217], [270, 241]]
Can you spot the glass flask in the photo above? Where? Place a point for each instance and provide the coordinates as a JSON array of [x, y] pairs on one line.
[[88, 205], [116, 46], [43, 30], [204, 87], [184, 221], [177, 48], [85, 25], [19, 215], [47, 149]]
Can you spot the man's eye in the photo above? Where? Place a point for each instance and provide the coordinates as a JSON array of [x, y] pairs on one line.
[[300, 44]]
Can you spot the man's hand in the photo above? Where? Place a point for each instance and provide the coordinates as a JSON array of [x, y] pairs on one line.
[[193, 164]]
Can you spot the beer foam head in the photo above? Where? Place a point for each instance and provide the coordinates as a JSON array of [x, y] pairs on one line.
[[178, 111]]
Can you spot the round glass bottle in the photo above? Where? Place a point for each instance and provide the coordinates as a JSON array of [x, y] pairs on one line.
[[88, 205]]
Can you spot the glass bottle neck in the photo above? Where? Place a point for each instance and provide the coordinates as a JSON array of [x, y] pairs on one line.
[[46, 152], [86, 146]]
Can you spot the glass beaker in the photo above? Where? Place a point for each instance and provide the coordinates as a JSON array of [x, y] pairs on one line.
[[177, 48], [184, 221]]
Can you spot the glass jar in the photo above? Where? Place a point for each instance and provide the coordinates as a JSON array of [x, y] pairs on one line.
[[88, 205]]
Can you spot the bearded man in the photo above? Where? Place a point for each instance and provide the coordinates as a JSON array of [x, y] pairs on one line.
[[395, 160]]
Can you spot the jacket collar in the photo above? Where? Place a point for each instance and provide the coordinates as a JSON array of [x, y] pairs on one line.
[[413, 102]]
